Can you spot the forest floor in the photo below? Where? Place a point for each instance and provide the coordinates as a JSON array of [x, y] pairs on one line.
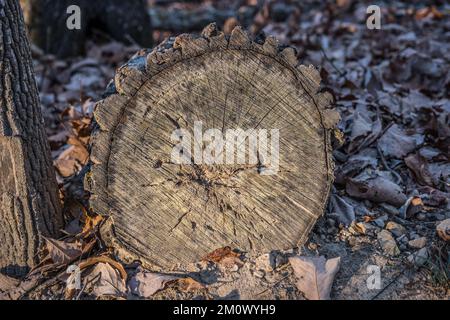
[[392, 175]]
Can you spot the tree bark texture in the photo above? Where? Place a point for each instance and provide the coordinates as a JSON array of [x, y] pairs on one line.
[[164, 213], [29, 203], [125, 21]]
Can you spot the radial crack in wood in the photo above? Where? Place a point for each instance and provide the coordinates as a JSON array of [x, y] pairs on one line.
[[166, 212]]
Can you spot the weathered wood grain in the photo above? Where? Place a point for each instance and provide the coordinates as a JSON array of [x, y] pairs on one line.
[[164, 213]]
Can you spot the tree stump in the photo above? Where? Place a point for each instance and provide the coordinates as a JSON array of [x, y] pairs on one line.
[[125, 21], [164, 211], [29, 202]]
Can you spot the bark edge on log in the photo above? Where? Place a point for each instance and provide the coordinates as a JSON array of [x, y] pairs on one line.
[[111, 112]]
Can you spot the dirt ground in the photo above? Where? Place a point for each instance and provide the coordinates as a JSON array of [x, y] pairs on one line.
[[391, 89]]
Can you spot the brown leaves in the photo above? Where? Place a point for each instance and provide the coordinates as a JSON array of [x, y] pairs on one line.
[[376, 187], [103, 259], [61, 252], [75, 156], [436, 174], [145, 283], [315, 275], [224, 256], [397, 143], [419, 167], [189, 284], [428, 12], [105, 280], [366, 128], [90, 223], [342, 210]]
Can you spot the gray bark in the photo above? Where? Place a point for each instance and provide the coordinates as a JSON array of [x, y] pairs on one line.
[[29, 204], [125, 21]]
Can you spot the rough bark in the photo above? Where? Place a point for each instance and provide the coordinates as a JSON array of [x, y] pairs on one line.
[[125, 21], [29, 204], [164, 213]]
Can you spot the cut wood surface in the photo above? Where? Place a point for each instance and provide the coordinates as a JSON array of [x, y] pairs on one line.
[[164, 213]]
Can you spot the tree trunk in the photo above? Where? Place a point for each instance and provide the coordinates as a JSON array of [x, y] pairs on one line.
[[29, 204], [166, 212], [125, 21]]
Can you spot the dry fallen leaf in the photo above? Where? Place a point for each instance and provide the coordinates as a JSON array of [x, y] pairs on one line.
[[90, 222], [398, 143], [341, 210], [224, 256], [315, 275], [412, 206], [103, 259], [429, 12], [145, 283], [375, 187], [105, 280], [189, 284], [420, 169], [62, 252]]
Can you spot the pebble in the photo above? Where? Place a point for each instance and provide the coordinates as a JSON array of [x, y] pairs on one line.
[[331, 222], [265, 262], [421, 216], [413, 235], [259, 274], [380, 221], [396, 229], [389, 209], [270, 261], [235, 268], [439, 217], [351, 241], [443, 230], [418, 243], [403, 239], [387, 243], [419, 258], [331, 230]]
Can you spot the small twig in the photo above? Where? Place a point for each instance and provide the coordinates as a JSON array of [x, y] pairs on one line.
[[273, 285], [386, 166], [342, 74], [389, 284], [86, 284]]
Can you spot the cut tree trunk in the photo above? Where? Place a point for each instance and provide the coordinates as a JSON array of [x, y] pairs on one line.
[[29, 203], [163, 212], [125, 21]]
